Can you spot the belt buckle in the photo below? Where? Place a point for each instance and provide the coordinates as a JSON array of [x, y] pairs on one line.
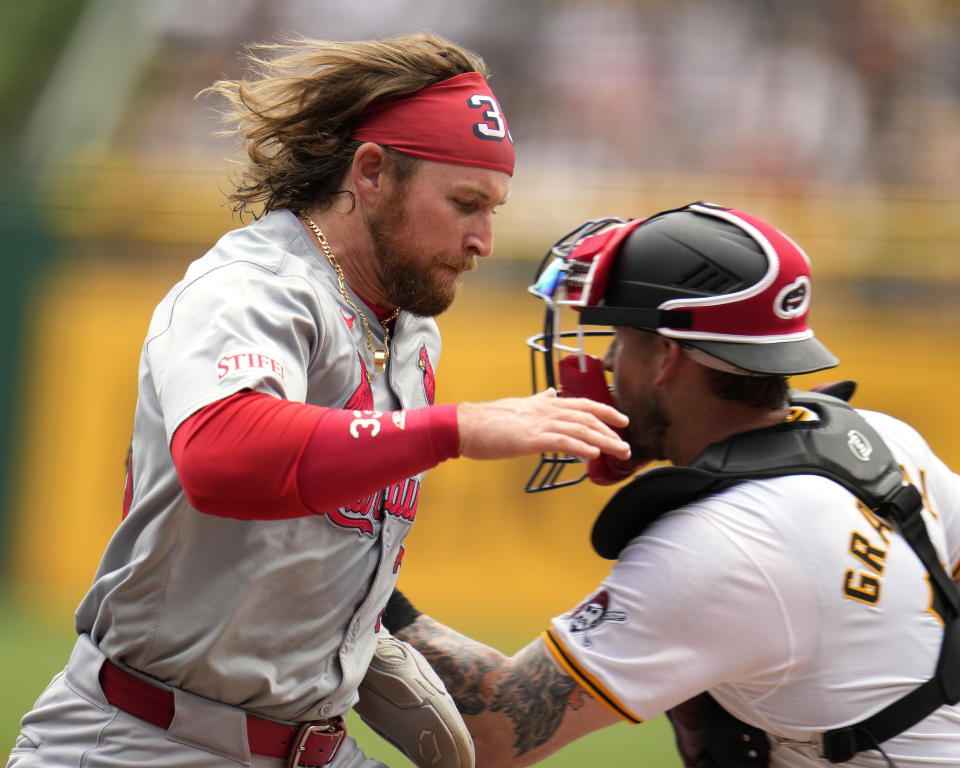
[[328, 727]]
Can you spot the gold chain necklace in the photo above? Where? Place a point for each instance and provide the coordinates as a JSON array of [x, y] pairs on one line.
[[380, 356]]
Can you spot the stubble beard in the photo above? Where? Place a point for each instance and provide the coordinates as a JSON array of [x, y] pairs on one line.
[[406, 283], [647, 432]]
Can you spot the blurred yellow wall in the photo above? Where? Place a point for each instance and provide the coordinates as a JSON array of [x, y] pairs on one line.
[[482, 549]]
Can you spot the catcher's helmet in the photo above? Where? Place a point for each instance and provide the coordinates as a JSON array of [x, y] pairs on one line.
[[732, 289], [723, 282]]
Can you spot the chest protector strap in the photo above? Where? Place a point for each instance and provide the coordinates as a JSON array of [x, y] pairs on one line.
[[842, 447]]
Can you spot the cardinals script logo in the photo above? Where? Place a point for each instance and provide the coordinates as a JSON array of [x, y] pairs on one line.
[[591, 615]]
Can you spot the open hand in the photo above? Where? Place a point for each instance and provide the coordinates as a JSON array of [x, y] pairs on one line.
[[541, 423]]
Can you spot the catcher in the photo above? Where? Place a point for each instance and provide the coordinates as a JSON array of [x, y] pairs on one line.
[[788, 564]]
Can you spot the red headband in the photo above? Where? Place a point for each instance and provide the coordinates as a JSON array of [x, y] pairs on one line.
[[454, 121]]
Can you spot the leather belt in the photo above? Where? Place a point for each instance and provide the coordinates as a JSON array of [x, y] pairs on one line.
[[310, 746]]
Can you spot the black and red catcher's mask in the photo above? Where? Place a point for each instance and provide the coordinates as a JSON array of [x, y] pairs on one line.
[[731, 289]]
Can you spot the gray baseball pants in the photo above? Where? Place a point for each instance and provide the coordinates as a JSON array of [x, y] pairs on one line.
[[72, 725]]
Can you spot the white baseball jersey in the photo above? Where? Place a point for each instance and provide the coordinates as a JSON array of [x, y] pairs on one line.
[[276, 616], [791, 603]]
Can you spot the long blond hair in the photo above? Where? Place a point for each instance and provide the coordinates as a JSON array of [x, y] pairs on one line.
[[295, 114]]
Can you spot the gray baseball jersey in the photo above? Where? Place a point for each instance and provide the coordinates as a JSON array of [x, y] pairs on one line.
[[276, 616]]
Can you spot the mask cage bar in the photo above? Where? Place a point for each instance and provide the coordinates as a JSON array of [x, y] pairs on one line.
[[546, 476]]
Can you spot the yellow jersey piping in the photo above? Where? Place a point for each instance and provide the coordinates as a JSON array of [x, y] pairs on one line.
[[585, 680]]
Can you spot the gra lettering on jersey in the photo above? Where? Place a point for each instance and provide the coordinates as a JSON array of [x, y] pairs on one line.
[[864, 585], [247, 360]]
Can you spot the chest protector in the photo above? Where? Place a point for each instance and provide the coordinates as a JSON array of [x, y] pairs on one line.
[[840, 446]]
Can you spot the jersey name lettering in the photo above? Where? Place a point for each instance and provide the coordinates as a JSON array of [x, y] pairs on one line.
[[860, 585], [398, 500], [358, 515], [402, 498], [245, 360]]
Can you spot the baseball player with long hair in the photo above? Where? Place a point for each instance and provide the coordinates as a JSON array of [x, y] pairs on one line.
[[786, 590], [285, 418]]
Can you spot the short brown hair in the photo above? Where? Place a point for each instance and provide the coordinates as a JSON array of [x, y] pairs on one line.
[[296, 114], [767, 392]]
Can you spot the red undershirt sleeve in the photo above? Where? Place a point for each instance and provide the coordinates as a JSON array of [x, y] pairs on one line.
[[252, 456]]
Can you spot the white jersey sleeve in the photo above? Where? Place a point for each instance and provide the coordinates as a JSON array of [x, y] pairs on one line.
[[234, 347], [242, 324], [686, 604]]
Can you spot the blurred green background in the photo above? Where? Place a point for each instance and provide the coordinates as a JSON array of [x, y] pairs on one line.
[[839, 122]]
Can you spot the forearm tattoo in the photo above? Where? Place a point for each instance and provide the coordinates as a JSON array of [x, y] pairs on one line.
[[530, 690]]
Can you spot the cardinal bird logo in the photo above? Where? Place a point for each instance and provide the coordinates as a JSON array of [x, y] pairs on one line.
[[362, 398], [426, 368]]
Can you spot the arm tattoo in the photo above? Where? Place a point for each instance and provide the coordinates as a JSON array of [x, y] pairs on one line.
[[462, 663], [535, 697], [530, 690]]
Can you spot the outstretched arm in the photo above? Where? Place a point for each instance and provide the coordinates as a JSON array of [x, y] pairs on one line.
[[253, 456], [519, 709]]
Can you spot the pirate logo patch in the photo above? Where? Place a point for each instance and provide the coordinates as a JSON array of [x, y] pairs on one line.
[[591, 615]]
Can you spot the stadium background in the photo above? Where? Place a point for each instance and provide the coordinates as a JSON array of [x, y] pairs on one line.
[[838, 122]]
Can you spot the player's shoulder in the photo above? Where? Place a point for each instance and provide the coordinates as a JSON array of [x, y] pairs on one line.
[[901, 438], [274, 245], [274, 242], [232, 272], [767, 513]]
